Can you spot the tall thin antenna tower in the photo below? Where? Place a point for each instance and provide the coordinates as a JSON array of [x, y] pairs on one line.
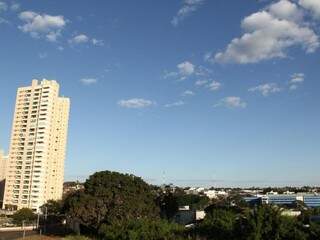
[[164, 178]]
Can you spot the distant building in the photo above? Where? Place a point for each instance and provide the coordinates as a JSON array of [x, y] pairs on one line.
[[186, 216], [35, 167], [253, 201], [211, 194], [200, 215], [70, 187], [310, 200], [215, 194]]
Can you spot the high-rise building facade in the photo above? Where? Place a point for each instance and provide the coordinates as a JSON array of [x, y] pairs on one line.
[[35, 167], [3, 165]]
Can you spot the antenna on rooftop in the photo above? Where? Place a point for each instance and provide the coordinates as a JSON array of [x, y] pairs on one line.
[[213, 180], [164, 178]]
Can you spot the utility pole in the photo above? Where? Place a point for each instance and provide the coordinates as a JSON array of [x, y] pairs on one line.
[[46, 213], [24, 230], [45, 219], [38, 220]]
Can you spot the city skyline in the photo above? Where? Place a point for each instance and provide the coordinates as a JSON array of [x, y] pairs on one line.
[[176, 91]]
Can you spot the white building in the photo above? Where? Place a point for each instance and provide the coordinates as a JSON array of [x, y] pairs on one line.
[[3, 164], [35, 167]]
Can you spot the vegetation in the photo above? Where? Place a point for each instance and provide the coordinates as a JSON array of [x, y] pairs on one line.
[[142, 229], [24, 215], [195, 202], [76, 237], [167, 201], [261, 223], [111, 199], [121, 206], [52, 207]]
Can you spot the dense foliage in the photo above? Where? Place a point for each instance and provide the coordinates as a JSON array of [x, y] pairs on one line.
[[120, 206], [142, 229], [260, 223], [169, 201], [110, 199], [52, 207], [24, 215], [195, 202]]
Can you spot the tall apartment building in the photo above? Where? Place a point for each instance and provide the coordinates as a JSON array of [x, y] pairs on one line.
[[35, 168], [3, 165]]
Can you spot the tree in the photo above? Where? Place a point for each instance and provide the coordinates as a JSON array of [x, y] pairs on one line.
[[111, 198], [195, 202], [291, 229], [218, 224], [314, 231], [52, 207], [142, 229], [167, 201], [23, 215], [263, 223]]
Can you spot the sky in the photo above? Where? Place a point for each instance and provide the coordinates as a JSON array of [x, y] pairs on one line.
[[190, 92]]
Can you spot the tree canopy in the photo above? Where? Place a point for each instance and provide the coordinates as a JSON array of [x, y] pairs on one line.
[[23, 215], [112, 198]]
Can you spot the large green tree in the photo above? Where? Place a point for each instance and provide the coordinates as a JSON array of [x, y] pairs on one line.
[[52, 207], [142, 229], [219, 223], [24, 215], [111, 198]]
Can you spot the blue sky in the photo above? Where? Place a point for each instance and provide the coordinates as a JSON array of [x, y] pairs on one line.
[[193, 92]]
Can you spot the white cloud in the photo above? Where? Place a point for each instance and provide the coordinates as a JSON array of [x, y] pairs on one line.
[[293, 87], [214, 85], [97, 42], [78, 39], [210, 84], [203, 71], [284, 9], [52, 36], [311, 5], [2, 20], [43, 55], [207, 57], [266, 89], [88, 81], [269, 34], [168, 74], [15, 6], [3, 6], [42, 25], [175, 104], [231, 102], [297, 78], [189, 7], [186, 68], [83, 38], [188, 93], [201, 82], [135, 103]]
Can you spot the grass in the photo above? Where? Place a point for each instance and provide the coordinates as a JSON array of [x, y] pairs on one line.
[[55, 238], [41, 238]]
